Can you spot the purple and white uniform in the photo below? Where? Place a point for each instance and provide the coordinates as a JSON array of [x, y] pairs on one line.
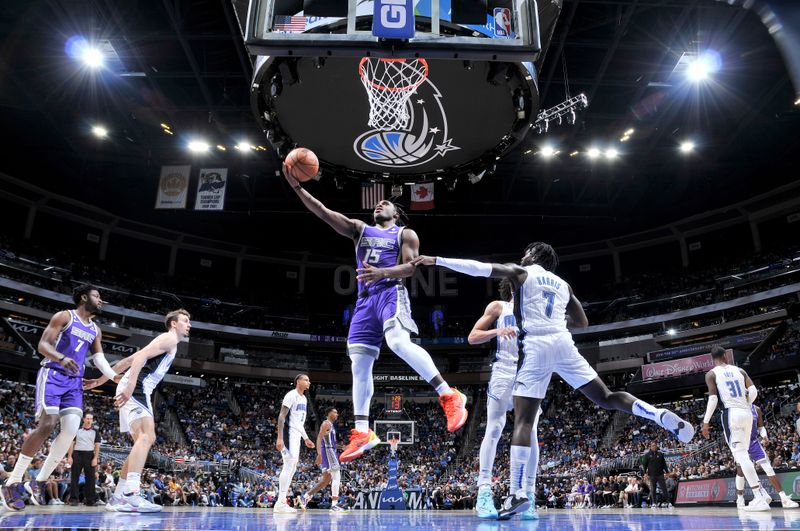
[[329, 459], [58, 392], [384, 302], [755, 449]]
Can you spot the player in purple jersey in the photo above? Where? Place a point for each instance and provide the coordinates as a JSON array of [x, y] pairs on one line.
[[327, 461], [383, 253], [760, 458], [69, 336]]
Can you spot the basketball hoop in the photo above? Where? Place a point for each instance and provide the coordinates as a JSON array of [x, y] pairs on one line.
[[389, 84], [393, 444]]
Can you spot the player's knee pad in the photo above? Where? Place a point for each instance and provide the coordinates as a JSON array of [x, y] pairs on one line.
[[740, 456], [70, 425], [766, 467], [494, 427], [396, 337]]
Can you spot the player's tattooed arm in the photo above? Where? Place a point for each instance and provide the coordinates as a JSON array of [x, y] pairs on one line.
[[281, 424]]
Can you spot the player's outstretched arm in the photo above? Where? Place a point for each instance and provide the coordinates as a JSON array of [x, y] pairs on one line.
[[345, 226], [516, 274], [711, 383], [482, 332]]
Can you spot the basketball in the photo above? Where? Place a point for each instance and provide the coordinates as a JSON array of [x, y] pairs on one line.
[[302, 164]]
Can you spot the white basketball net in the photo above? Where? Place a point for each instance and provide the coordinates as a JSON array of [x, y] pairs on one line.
[[389, 84], [393, 444]]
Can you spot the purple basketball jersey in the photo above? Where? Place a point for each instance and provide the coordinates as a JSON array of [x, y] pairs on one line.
[[329, 459], [73, 342], [379, 248]]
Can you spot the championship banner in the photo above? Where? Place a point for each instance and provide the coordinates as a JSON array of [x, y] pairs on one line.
[[173, 187], [723, 490], [211, 186]]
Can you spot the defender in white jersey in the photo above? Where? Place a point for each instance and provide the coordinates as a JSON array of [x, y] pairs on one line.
[[500, 400], [291, 428], [731, 386], [145, 370], [546, 308]]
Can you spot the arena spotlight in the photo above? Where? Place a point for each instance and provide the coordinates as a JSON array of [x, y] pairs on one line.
[[687, 146], [221, 147], [198, 146], [243, 146], [547, 152], [671, 332], [593, 153], [611, 153], [99, 131], [703, 66], [92, 57]]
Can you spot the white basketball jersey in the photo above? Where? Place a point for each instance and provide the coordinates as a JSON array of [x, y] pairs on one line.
[[507, 349], [543, 300], [297, 404], [730, 387]]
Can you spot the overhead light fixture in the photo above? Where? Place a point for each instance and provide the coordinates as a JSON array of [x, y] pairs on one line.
[[611, 153], [475, 177], [593, 153], [261, 148], [99, 131], [221, 147], [797, 102], [92, 57], [629, 132], [574, 153], [687, 146], [527, 152], [547, 151], [198, 146], [671, 331], [168, 131], [624, 138], [243, 146], [165, 126], [703, 66]]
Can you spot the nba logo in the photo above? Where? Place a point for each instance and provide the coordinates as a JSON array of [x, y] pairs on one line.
[[502, 23]]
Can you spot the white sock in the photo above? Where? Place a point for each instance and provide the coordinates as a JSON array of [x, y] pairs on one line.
[[363, 388], [739, 483], [519, 461], [495, 422], [533, 462], [133, 483], [60, 446], [642, 409], [334, 503], [23, 462], [120, 488], [782, 494], [442, 389], [399, 340]]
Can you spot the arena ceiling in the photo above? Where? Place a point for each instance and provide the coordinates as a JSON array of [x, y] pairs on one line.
[[182, 63]]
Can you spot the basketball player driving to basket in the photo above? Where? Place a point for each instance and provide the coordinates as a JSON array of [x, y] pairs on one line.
[[384, 252]]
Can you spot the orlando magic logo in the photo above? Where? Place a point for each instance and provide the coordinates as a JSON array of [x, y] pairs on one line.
[[424, 138]]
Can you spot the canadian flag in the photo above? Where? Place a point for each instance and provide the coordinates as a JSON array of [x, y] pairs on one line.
[[422, 196]]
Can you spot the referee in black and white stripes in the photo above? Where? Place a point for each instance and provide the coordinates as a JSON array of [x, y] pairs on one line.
[[85, 455]]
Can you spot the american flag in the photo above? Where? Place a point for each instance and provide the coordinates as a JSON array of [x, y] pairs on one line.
[[371, 193], [290, 24]]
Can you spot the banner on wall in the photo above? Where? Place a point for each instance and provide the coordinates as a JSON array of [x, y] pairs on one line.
[[211, 186], [173, 187], [681, 366], [723, 490]]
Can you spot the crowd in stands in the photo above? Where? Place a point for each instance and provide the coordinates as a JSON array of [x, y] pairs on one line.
[[637, 296]]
